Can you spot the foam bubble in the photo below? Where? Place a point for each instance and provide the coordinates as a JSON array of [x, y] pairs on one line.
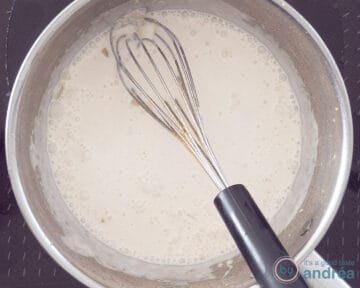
[[56, 110]]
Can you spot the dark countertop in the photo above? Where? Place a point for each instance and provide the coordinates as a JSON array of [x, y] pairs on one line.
[[24, 264]]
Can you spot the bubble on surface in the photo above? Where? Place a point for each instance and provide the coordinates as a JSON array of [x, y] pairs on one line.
[[223, 34], [56, 110], [185, 14], [193, 33], [283, 77], [52, 148], [261, 49]]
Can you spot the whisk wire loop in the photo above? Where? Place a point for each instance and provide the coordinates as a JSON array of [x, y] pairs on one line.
[[153, 87]]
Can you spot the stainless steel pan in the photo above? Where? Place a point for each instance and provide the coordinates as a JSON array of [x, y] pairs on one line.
[[316, 194]]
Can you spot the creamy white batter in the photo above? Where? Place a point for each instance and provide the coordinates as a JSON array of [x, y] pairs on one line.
[[132, 184]]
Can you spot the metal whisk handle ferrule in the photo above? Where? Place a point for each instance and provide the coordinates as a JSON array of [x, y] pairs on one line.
[[266, 256]]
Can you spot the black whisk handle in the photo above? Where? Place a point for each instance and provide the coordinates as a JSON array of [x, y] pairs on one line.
[[259, 245]]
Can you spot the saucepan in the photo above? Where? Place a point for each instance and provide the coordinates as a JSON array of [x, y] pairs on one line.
[[307, 212]]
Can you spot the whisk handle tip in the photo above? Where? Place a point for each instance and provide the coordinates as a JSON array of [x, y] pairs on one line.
[[258, 243]]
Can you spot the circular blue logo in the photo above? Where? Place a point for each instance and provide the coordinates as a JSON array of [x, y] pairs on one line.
[[285, 270]]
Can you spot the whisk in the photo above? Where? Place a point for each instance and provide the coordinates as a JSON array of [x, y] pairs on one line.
[[155, 71]]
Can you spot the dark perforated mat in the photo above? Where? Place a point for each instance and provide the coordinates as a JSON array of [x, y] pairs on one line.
[[24, 264]]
